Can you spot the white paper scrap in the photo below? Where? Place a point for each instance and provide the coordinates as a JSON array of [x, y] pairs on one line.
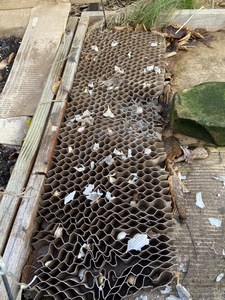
[[69, 197], [94, 47], [199, 201], [138, 241], [219, 277], [215, 222]]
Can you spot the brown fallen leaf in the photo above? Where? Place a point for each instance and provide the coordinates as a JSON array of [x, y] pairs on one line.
[[3, 63], [172, 148], [10, 57], [31, 266], [56, 87], [187, 154], [179, 195]]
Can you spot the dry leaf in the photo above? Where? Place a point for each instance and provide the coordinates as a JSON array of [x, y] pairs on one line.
[[119, 70], [108, 113], [187, 155], [10, 57], [3, 64], [179, 194], [172, 148], [56, 87]]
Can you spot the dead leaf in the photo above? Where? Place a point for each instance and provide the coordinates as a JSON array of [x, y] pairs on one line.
[[10, 57], [199, 153], [187, 154], [171, 31], [55, 87], [3, 63], [31, 265], [179, 194], [172, 148]]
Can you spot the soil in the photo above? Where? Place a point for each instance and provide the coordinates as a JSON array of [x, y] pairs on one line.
[[8, 158], [8, 50]]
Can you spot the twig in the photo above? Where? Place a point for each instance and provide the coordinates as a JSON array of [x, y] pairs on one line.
[[103, 9], [7, 287], [5, 280], [189, 19]]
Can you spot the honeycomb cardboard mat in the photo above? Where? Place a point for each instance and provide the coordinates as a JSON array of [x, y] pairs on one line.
[[105, 215]]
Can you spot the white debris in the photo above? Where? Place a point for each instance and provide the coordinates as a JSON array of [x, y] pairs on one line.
[[89, 188], [81, 253], [223, 252], [80, 129], [129, 54], [94, 47], [69, 197], [180, 176], [183, 293], [148, 69], [134, 175], [95, 147], [119, 153], [119, 70], [58, 232], [154, 44], [121, 235], [138, 241], [172, 297], [129, 153], [112, 179], [147, 151], [109, 196], [167, 290], [70, 149], [92, 165], [81, 274], [219, 277], [142, 297], [114, 43], [199, 201], [80, 169], [220, 178], [139, 110], [157, 70], [94, 196], [108, 113], [215, 222], [109, 160]]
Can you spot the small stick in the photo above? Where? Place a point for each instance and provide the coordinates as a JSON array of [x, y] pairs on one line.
[[5, 280], [189, 19], [7, 287]]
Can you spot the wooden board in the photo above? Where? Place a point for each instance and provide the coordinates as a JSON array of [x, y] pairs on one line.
[[18, 4], [11, 200], [31, 67], [18, 246]]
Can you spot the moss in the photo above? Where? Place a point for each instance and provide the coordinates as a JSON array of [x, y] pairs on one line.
[[200, 112]]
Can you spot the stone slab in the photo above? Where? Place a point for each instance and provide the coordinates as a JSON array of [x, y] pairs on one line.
[[200, 112]]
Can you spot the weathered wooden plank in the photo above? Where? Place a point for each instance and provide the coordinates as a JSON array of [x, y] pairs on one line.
[[18, 4], [210, 19], [18, 245], [11, 200]]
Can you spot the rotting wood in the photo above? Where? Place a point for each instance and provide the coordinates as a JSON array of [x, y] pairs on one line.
[[11, 200], [18, 246]]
